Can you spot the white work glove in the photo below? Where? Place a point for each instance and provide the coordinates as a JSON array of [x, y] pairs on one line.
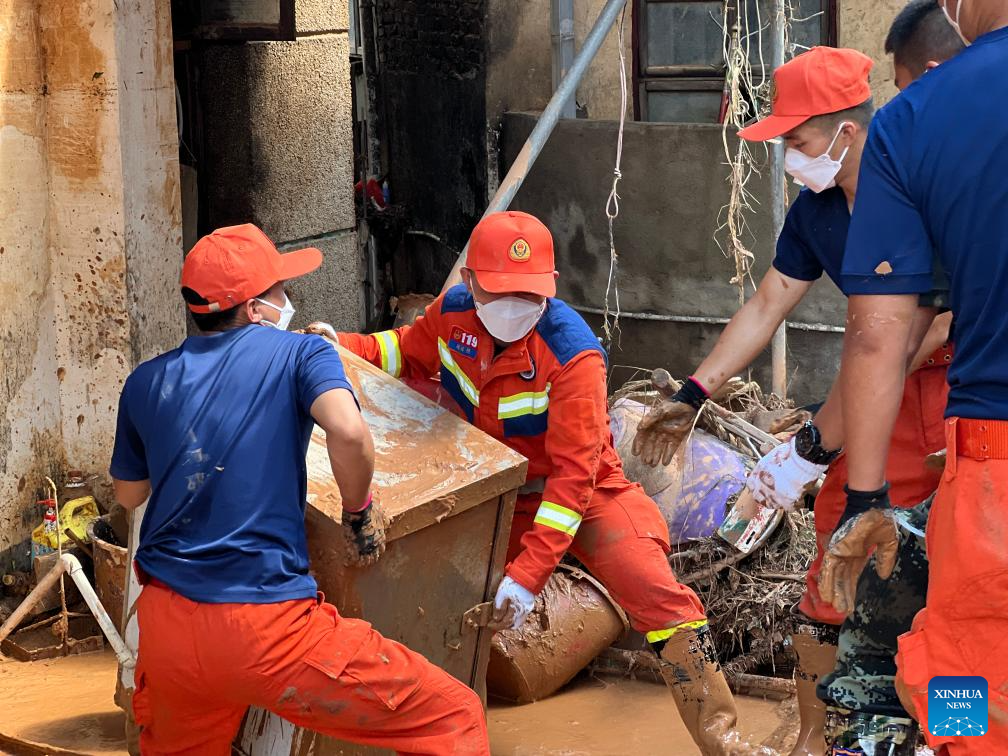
[[781, 477], [511, 605]]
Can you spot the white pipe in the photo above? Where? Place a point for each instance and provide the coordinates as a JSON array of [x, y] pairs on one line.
[[76, 572]]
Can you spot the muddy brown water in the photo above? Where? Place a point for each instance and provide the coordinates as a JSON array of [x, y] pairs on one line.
[[68, 703]]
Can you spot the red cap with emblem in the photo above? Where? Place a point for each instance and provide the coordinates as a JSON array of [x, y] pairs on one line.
[[820, 81], [512, 252], [236, 263]]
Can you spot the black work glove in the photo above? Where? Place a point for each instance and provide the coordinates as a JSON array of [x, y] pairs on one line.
[[364, 533]]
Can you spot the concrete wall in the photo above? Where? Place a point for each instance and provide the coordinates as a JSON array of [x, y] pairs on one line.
[[278, 152], [519, 73], [519, 55], [863, 25], [672, 191], [90, 232]]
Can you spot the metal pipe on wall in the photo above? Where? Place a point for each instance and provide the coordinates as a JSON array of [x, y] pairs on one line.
[[547, 121], [562, 36], [778, 202]]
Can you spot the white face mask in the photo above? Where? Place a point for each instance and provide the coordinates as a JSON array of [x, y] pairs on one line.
[[955, 23], [510, 318], [286, 313], [817, 173]]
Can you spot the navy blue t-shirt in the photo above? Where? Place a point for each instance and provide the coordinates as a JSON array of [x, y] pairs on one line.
[[814, 234], [934, 178], [221, 427]]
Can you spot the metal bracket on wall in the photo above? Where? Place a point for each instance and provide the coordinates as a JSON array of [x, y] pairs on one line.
[[479, 616]]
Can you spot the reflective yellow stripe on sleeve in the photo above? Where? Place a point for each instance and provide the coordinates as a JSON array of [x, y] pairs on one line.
[[657, 636], [526, 403], [559, 518], [391, 355], [468, 387]]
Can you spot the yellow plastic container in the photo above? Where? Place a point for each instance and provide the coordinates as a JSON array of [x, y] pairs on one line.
[[76, 515]]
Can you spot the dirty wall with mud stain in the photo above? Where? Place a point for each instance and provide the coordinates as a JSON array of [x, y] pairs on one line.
[[519, 57], [89, 231]]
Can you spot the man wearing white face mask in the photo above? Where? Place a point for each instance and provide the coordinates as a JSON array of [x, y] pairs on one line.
[[822, 107], [526, 369], [216, 433]]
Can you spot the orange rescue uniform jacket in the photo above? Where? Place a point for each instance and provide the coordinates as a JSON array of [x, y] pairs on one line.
[[544, 396]]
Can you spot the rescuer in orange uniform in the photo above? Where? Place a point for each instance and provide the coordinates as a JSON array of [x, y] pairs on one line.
[[215, 433], [526, 369]]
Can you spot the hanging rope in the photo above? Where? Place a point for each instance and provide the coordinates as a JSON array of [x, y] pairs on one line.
[[612, 203]]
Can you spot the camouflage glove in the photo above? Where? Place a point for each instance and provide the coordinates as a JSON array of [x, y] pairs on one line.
[[867, 525], [663, 430], [364, 533]]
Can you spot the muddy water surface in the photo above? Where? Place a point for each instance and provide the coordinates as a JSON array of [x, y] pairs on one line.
[[68, 703], [610, 717], [63, 702]]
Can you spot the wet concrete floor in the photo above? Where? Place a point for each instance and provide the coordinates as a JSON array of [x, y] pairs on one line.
[[67, 703]]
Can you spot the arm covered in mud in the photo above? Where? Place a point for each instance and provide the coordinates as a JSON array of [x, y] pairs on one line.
[[928, 332], [410, 351], [577, 427]]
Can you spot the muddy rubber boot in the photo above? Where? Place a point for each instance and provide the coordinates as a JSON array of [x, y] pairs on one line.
[[854, 733], [816, 659], [691, 671]]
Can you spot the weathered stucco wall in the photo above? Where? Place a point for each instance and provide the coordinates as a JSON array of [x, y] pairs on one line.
[[863, 25], [89, 232], [519, 59], [278, 152]]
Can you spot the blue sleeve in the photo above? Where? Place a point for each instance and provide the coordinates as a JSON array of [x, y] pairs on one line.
[[319, 369], [129, 459], [889, 250], [794, 258]]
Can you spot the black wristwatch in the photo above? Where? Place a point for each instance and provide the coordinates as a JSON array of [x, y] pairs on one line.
[[808, 444]]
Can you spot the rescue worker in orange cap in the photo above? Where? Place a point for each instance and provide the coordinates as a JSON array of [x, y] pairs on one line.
[[526, 369], [215, 432], [821, 109], [931, 198]]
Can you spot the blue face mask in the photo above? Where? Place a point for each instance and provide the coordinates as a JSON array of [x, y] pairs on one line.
[[286, 313]]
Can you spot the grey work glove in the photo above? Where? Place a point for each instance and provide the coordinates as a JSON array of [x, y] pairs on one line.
[[867, 525]]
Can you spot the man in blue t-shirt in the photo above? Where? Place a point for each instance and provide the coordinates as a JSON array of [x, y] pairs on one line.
[[822, 107], [933, 181], [216, 432]]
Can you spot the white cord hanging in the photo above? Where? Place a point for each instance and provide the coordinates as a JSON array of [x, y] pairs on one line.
[[612, 203]]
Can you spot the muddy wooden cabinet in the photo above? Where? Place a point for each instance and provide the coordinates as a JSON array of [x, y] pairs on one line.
[[450, 491]]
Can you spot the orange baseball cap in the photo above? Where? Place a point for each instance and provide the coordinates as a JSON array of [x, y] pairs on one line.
[[820, 81], [512, 252], [236, 263]]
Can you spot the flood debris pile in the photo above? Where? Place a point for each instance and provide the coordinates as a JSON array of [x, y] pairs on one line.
[[748, 596]]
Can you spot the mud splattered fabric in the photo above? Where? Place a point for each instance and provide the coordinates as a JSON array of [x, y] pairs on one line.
[[964, 629], [863, 679], [221, 426], [202, 665], [919, 431]]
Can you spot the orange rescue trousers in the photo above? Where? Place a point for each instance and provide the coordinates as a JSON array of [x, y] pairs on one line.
[[201, 666], [919, 431], [964, 628], [623, 541]]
